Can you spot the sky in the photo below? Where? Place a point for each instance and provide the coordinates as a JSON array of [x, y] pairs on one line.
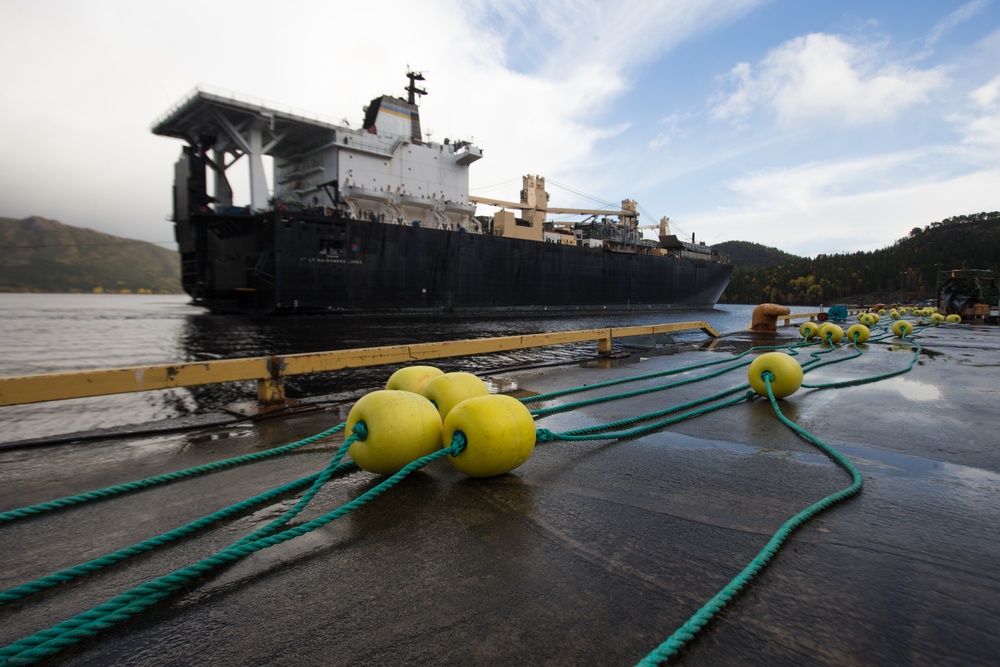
[[813, 127]]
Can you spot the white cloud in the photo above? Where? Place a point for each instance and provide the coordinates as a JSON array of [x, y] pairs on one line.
[[529, 82], [856, 204], [988, 94], [980, 124], [673, 128], [950, 22], [824, 77]]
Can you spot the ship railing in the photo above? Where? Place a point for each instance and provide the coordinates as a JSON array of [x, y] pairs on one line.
[[202, 90], [270, 372]]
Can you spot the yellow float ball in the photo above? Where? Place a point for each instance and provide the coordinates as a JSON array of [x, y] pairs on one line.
[[830, 332], [937, 318], [808, 330], [953, 318], [894, 314], [448, 390], [868, 320], [902, 328], [881, 311], [858, 333], [499, 433], [786, 371], [877, 317], [402, 427], [412, 378]]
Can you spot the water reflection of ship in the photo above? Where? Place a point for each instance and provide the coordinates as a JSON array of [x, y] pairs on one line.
[[211, 337]]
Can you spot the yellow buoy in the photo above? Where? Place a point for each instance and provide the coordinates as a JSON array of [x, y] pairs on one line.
[[401, 427], [894, 314], [877, 316], [858, 333], [881, 311], [808, 330], [953, 318], [868, 319], [786, 372], [937, 318], [499, 433], [902, 328], [830, 332], [448, 390], [412, 378]]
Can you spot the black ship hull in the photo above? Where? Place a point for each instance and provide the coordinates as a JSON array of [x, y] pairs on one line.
[[281, 262]]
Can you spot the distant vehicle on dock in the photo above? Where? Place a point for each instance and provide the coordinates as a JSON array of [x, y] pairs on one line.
[[379, 219], [967, 292]]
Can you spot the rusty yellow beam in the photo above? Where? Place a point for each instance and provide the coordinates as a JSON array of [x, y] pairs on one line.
[[318, 362], [270, 372], [79, 384], [787, 319], [650, 329]]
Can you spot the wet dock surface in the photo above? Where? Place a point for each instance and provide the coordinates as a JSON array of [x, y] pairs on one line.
[[589, 553]]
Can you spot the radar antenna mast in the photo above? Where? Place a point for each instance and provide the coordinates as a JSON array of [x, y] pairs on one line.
[[412, 90]]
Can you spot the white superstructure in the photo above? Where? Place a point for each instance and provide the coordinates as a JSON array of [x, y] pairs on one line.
[[384, 171]]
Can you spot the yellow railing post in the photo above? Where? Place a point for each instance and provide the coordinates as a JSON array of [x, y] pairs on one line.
[[271, 390], [604, 344]]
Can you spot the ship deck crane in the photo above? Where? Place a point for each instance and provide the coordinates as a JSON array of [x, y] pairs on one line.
[[534, 204]]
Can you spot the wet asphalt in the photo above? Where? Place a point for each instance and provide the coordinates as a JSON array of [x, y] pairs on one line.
[[590, 553]]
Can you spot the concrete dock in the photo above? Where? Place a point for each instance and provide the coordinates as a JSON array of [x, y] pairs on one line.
[[588, 554]]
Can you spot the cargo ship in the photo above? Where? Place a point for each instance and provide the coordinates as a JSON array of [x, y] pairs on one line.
[[380, 219]]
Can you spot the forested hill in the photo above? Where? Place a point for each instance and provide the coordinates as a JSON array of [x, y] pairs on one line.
[[905, 271], [747, 254], [39, 255]]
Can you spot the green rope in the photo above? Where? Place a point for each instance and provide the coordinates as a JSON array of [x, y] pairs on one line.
[[316, 481], [545, 412], [672, 371], [124, 606], [686, 632], [593, 432], [132, 602], [62, 576], [873, 378], [31, 510]]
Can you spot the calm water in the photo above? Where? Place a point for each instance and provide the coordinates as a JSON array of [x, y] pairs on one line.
[[44, 333]]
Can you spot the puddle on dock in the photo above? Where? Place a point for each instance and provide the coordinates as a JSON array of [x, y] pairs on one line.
[[911, 389], [868, 460]]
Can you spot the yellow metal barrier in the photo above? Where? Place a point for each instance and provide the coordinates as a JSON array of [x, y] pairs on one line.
[[787, 319], [270, 372]]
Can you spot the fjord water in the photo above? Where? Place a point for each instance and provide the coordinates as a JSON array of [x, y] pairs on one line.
[[45, 333]]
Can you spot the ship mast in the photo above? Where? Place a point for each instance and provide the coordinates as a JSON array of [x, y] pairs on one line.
[[412, 90]]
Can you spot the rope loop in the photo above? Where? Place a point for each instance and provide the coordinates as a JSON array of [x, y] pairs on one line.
[[544, 435], [361, 430], [458, 443]]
